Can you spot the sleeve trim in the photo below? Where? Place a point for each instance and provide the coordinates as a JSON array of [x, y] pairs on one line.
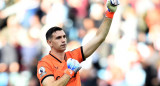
[[82, 53], [46, 77]]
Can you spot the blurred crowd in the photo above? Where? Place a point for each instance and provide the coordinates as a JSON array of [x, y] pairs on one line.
[[130, 55]]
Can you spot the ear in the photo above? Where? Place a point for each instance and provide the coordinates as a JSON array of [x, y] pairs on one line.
[[49, 43]]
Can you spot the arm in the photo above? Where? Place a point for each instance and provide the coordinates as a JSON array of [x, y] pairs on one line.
[[72, 68], [100, 36], [103, 30], [50, 81]]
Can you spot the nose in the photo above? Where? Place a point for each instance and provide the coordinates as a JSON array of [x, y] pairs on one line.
[[63, 40]]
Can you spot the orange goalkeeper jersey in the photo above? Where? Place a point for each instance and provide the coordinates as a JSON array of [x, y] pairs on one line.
[[50, 65]]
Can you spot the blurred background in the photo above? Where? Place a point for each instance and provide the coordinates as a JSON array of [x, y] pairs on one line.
[[130, 55]]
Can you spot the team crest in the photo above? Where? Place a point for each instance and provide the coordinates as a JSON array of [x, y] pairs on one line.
[[42, 71]]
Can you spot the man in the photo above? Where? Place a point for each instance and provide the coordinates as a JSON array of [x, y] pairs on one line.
[[61, 68]]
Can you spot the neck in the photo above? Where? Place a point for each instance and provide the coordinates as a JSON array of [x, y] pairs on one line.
[[58, 54]]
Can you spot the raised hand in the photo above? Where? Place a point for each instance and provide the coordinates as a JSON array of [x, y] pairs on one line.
[[112, 7]]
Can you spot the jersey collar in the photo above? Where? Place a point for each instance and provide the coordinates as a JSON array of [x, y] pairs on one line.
[[65, 57]]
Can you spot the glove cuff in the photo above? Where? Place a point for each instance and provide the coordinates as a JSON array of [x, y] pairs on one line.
[[69, 72], [109, 14]]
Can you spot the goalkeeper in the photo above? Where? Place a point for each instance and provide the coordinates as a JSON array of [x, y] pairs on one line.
[[60, 68]]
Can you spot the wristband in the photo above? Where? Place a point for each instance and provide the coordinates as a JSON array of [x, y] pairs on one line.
[[109, 14], [69, 72]]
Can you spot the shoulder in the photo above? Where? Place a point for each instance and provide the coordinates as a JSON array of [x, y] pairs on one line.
[[75, 50], [44, 60], [76, 54]]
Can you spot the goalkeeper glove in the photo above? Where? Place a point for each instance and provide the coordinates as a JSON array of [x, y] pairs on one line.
[[73, 67], [112, 7]]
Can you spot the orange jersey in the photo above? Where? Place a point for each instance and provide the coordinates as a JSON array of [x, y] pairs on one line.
[[52, 66]]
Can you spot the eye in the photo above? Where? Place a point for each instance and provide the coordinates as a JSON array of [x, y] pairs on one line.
[[64, 36], [59, 37]]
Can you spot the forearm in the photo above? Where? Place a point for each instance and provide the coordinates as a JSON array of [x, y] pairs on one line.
[[103, 29], [101, 33], [100, 36], [60, 82], [73, 67]]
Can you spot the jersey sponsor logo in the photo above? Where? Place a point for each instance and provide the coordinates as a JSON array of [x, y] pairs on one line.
[[42, 71]]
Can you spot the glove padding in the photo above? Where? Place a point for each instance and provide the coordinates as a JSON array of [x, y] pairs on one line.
[[73, 67], [114, 2], [112, 5]]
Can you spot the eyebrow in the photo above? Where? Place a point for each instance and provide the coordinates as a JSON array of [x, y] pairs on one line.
[[58, 37]]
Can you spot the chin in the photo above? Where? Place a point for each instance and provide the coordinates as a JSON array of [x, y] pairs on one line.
[[63, 49]]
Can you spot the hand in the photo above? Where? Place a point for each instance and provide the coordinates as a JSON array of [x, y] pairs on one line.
[[112, 5], [73, 67]]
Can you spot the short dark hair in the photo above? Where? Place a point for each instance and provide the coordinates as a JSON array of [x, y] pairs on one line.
[[52, 30]]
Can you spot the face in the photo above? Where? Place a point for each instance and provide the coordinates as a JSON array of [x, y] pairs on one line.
[[58, 41]]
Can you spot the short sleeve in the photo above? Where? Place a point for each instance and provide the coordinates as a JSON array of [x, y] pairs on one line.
[[43, 71], [78, 54]]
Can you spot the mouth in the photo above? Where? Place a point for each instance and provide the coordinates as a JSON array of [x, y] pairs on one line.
[[63, 45]]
